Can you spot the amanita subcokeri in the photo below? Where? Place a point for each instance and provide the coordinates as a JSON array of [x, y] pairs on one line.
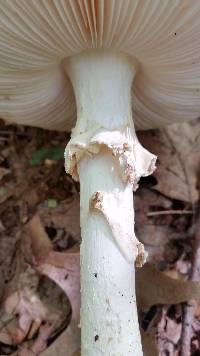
[[117, 63]]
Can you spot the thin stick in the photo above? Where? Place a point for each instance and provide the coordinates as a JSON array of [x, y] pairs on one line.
[[188, 310], [170, 212]]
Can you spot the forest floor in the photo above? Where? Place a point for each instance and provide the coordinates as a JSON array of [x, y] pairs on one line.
[[40, 238]]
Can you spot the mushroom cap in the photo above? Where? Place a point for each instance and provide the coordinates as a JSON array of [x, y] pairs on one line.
[[36, 36]]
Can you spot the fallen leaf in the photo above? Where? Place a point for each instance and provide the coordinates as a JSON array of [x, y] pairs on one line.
[[169, 332], [33, 195], [28, 308], [154, 287], [40, 343], [30, 305], [66, 216], [61, 267], [153, 231], [5, 193], [64, 269], [66, 344], [40, 243], [149, 341], [178, 159], [4, 172]]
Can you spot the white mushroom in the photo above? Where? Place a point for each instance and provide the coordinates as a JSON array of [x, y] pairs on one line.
[[121, 58]]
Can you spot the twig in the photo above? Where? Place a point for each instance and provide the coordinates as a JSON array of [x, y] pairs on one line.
[[188, 309], [16, 133], [170, 212]]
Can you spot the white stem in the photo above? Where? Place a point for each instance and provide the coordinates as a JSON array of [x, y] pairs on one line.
[[105, 155]]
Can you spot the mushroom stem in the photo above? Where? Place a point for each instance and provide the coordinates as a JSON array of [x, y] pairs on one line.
[[105, 155]]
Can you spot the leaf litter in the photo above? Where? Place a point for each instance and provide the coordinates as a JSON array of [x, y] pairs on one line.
[[40, 237]]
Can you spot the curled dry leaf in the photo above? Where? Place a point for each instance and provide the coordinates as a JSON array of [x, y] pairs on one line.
[[154, 234], [30, 305], [66, 216], [66, 344], [61, 267], [5, 192], [40, 243], [29, 308], [21, 306], [40, 343], [149, 341], [31, 299], [4, 172], [64, 269], [178, 159], [166, 290], [169, 332]]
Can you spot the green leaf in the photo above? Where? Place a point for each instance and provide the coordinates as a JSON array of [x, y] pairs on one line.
[[55, 153], [52, 203]]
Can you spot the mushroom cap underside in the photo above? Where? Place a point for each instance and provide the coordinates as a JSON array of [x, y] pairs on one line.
[[36, 36]]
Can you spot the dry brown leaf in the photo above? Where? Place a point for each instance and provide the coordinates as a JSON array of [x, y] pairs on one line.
[[29, 308], [169, 333], [10, 334], [65, 216], [22, 305], [77, 353], [40, 343], [33, 195], [66, 344], [5, 192], [64, 269], [27, 304], [61, 267], [40, 243], [149, 342], [154, 287], [153, 232], [149, 337], [30, 305], [178, 159], [4, 172]]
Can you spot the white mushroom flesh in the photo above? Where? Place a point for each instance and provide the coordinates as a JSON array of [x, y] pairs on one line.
[[105, 155]]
